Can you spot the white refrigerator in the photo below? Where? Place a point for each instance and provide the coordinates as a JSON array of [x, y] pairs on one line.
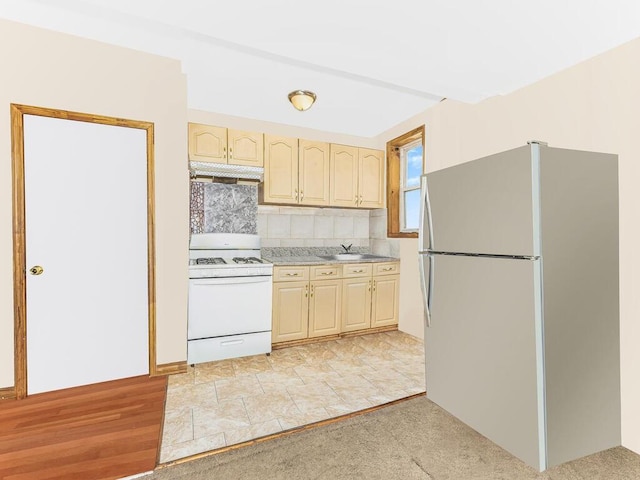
[[519, 269]]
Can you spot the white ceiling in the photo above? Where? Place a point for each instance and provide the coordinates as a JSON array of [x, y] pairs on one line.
[[372, 63]]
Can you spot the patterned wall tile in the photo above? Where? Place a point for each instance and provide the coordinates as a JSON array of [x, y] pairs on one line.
[[196, 210], [230, 208]]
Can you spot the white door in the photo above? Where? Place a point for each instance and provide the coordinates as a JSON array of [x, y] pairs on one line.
[[86, 226]]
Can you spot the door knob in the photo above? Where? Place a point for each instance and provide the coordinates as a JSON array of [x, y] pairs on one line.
[[36, 270]]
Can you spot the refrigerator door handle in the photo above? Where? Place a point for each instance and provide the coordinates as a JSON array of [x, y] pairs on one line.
[[426, 287], [425, 217]]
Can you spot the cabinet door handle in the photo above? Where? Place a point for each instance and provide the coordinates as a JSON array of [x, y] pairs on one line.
[[360, 199], [301, 195], [358, 271], [326, 273], [291, 274], [230, 152], [374, 285], [369, 286], [388, 269], [311, 291], [296, 192], [224, 151], [306, 291]]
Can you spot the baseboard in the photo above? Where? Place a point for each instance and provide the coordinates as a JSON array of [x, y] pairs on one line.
[[357, 333], [171, 368], [8, 393], [326, 338]]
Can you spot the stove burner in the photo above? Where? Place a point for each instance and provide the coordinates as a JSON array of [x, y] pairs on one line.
[[210, 261], [245, 260]]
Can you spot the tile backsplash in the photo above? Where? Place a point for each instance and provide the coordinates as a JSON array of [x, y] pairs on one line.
[[380, 244], [280, 226], [232, 208]]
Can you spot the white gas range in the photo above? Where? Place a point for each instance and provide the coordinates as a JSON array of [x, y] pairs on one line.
[[229, 297]]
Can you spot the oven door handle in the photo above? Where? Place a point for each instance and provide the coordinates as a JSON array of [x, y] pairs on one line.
[[230, 280]]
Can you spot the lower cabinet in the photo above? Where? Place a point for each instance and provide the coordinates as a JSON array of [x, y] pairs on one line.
[[324, 307], [317, 301], [290, 312], [386, 295], [356, 304], [356, 294]]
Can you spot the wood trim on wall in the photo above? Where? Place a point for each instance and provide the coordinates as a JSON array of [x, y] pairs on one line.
[[19, 238], [171, 368], [8, 393], [151, 248], [393, 182], [19, 252]]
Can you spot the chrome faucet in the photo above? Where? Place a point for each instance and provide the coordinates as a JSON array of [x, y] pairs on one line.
[[347, 249]]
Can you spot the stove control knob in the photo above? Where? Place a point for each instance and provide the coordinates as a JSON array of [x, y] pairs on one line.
[[37, 270]]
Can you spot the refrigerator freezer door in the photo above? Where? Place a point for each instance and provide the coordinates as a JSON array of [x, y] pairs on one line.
[[484, 206], [482, 350]]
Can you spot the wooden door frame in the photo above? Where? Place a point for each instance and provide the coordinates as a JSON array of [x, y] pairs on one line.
[[19, 235]]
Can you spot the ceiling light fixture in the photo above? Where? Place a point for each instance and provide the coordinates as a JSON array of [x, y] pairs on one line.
[[302, 99]]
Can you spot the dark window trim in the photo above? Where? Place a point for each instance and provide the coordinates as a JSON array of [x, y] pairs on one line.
[[393, 181]]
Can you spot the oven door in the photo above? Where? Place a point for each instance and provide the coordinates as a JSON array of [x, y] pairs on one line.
[[229, 306]]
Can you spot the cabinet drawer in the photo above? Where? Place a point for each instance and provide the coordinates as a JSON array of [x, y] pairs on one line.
[[357, 270], [387, 268], [325, 272], [290, 274]]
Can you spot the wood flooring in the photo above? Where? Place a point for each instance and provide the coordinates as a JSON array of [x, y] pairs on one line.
[[97, 432]]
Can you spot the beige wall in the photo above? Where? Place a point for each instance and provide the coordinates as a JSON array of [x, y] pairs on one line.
[[592, 106], [47, 69], [411, 313]]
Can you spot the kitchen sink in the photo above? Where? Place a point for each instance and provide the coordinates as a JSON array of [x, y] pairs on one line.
[[350, 256]]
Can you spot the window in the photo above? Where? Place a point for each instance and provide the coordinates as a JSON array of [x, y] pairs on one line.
[[405, 160]]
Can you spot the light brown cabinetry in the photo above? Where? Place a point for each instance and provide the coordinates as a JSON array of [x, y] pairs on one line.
[[324, 307], [296, 172], [303, 305], [290, 311], [356, 303], [370, 298], [343, 177], [313, 180], [385, 300], [321, 300], [371, 178], [280, 170], [208, 143], [356, 177]]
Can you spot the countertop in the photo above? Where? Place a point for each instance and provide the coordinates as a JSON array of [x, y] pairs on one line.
[[316, 260]]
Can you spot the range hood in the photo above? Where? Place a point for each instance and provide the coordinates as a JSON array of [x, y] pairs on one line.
[[206, 169]]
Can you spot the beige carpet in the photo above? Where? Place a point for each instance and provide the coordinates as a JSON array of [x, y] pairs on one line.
[[411, 440]]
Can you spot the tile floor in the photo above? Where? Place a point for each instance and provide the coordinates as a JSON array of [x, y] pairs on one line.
[[222, 403]]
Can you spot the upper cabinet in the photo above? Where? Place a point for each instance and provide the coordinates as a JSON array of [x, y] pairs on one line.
[[313, 178], [370, 178], [356, 177], [280, 170], [296, 171], [208, 143], [343, 176]]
